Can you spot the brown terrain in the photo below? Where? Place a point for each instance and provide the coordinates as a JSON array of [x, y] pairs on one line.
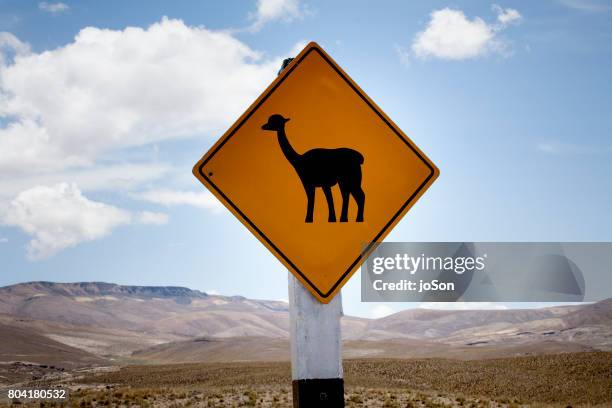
[[90, 336]]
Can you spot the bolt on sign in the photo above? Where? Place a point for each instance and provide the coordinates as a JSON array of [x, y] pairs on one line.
[[316, 171]]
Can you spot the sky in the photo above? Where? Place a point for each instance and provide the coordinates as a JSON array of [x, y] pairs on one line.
[[106, 106]]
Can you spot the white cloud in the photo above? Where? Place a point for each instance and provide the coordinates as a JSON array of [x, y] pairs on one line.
[[115, 177], [60, 216], [589, 6], [271, 10], [71, 113], [571, 149], [451, 35], [3, 240], [379, 311], [53, 8], [11, 46], [296, 49], [88, 113], [112, 89], [169, 198], [507, 16], [403, 55], [462, 306], [152, 218]]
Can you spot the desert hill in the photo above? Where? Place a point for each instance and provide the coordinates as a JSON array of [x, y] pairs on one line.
[[151, 310], [122, 323], [26, 345]]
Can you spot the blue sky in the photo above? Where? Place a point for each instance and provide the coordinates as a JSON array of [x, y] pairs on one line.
[[106, 106]]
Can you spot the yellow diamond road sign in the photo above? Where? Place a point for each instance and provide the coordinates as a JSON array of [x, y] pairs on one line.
[[315, 170]]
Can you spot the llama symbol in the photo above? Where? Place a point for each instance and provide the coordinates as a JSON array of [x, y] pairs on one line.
[[323, 168]]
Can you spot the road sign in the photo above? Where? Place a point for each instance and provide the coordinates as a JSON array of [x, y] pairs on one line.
[[316, 171]]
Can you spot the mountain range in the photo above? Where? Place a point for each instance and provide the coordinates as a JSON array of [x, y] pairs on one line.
[[94, 323]]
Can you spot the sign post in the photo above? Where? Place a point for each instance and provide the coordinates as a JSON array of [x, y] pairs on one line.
[[315, 169], [316, 347]]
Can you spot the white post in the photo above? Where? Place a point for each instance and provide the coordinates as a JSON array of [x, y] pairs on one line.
[[316, 347]]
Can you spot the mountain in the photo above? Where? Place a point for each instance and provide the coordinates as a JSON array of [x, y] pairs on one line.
[[124, 323], [467, 325], [150, 310], [113, 320], [593, 314], [423, 323], [26, 345]]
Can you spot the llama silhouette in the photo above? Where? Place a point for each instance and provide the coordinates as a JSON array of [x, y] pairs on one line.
[[323, 168]]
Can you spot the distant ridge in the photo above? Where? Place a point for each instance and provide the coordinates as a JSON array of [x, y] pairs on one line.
[[105, 289], [163, 323]]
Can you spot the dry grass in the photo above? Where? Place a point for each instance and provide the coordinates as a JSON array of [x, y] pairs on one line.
[[273, 396], [572, 378], [577, 379]]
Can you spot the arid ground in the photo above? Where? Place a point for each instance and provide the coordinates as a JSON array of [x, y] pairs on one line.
[[560, 380], [140, 346]]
